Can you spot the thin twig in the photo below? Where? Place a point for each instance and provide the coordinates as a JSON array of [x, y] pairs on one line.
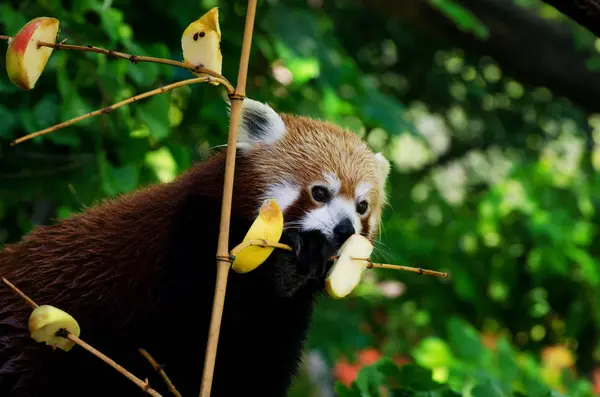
[[20, 293], [418, 270], [161, 371], [67, 335], [223, 259], [258, 243], [145, 386], [373, 265], [135, 59], [111, 108]]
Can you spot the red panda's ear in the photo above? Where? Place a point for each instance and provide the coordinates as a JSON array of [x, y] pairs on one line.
[[383, 167], [383, 171], [259, 124]]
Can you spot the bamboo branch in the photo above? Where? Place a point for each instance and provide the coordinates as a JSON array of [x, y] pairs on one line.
[[223, 258], [113, 107], [145, 386], [161, 371], [135, 59]]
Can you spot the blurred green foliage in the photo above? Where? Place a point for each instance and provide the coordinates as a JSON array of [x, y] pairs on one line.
[[494, 180]]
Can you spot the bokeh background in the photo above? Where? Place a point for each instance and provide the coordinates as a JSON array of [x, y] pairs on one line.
[[486, 108]]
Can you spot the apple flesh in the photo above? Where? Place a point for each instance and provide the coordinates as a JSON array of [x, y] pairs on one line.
[[25, 62], [346, 273], [45, 321]]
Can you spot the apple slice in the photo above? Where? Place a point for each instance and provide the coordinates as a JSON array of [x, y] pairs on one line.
[[25, 62], [46, 320], [346, 273]]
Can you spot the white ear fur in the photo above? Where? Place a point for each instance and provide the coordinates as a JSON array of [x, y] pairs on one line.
[[259, 124], [383, 167]]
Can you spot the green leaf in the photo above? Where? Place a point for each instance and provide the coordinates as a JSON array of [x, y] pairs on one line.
[[111, 22], [369, 379], [433, 353], [155, 114], [342, 390], [145, 73], [384, 111], [488, 389], [590, 269], [162, 163], [462, 17], [117, 180], [9, 123], [417, 378], [464, 341], [46, 111], [506, 361], [11, 19]]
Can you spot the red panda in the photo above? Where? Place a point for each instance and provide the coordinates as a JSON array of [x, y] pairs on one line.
[[138, 271]]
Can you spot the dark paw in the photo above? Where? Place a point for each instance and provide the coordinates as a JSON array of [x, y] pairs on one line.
[[312, 250]]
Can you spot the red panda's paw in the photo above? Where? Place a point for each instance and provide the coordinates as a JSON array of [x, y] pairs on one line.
[[313, 251]]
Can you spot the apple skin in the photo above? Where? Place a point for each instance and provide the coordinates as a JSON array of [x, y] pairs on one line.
[[24, 60]]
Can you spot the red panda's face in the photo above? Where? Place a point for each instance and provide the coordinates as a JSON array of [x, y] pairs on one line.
[[324, 178]]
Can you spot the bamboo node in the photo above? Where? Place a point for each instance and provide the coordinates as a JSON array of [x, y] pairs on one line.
[[236, 97], [225, 258]]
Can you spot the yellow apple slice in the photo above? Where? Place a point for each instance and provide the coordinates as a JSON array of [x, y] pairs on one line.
[[46, 320], [346, 273], [268, 226], [25, 62], [201, 43]]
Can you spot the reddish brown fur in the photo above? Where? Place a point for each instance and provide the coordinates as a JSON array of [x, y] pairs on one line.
[[326, 143], [113, 255]]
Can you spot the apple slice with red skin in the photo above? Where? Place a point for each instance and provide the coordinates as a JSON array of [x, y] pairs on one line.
[[25, 61]]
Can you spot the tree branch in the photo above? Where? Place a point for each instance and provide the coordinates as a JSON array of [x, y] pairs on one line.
[[527, 47], [584, 12]]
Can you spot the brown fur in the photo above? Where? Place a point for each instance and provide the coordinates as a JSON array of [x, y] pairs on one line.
[[107, 266]]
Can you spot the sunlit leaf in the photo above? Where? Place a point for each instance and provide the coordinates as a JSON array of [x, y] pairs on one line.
[[462, 17]]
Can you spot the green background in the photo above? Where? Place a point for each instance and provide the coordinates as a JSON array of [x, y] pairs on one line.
[[494, 177]]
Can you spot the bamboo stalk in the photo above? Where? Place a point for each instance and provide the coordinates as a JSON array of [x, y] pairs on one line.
[[112, 107], [145, 386], [135, 59], [223, 258]]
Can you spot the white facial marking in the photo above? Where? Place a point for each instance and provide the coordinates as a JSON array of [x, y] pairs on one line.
[[327, 217], [284, 192], [372, 223], [333, 182], [362, 190]]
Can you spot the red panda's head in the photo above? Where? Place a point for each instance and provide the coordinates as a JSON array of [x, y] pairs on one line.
[[323, 177]]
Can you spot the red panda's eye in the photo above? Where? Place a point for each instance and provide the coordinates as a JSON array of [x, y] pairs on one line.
[[362, 207], [320, 194]]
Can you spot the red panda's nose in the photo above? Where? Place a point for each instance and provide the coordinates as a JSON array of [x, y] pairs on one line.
[[343, 230]]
